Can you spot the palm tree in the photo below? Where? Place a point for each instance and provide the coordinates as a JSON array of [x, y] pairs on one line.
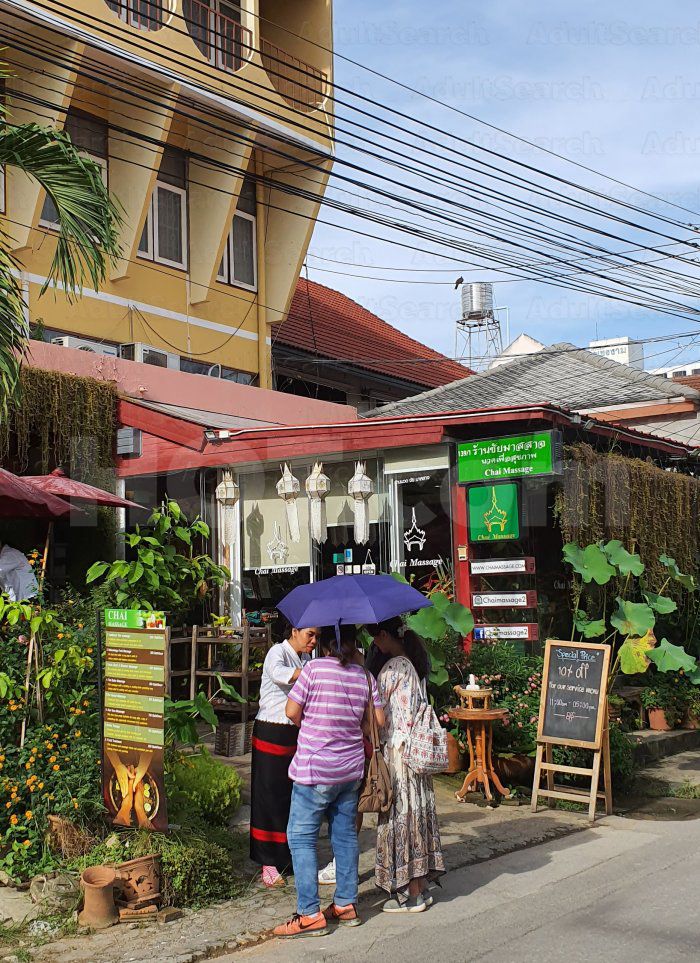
[[87, 238]]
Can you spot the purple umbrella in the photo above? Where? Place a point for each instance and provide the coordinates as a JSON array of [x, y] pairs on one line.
[[350, 600]]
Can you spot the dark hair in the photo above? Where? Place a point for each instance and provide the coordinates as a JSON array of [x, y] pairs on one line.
[[411, 643], [344, 650]]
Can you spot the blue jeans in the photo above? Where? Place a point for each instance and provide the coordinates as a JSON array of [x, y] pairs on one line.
[[309, 805]]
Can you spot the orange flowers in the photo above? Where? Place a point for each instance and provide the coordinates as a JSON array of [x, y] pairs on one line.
[[13, 819], [55, 768], [28, 814], [52, 758], [27, 842]]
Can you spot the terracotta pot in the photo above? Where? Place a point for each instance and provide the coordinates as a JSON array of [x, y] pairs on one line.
[[515, 770], [139, 880], [691, 720], [98, 910], [454, 756], [657, 720]]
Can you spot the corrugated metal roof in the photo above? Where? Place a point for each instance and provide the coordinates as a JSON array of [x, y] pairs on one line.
[[207, 419], [563, 375]]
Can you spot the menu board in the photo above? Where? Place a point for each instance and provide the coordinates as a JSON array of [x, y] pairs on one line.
[[573, 700], [133, 718]]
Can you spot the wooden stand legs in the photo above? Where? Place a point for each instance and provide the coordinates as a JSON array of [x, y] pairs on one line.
[[481, 771], [587, 797]]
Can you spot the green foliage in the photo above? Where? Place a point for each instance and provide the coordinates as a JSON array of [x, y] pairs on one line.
[[622, 762], [165, 573], [589, 628], [632, 618], [625, 562], [668, 692], [202, 786], [687, 581], [87, 237], [633, 654], [443, 625], [590, 562], [671, 658], [182, 717]]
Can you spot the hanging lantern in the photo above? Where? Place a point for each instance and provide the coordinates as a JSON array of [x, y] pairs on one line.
[[288, 489], [227, 495], [360, 488], [317, 487]]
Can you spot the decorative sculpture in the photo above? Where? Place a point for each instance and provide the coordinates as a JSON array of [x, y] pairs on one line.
[[277, 548], [414, 537], [360, 488], [317, 487], [288, 489], [227, 495]]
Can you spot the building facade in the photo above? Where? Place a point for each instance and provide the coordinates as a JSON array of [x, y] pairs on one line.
[[212, 123]]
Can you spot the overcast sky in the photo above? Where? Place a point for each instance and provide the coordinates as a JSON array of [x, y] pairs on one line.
[[618, 92]]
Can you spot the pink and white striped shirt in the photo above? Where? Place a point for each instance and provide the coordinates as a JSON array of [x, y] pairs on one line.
[[333, 697]]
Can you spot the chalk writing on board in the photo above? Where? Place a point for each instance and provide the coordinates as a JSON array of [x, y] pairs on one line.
[[573, 695]]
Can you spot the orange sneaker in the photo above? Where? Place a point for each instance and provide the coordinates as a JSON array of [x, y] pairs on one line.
[[303, 926], [344, 915]]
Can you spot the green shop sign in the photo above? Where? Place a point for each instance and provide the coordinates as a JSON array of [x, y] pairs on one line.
[[493, 513], [517, 456], [134, 619]]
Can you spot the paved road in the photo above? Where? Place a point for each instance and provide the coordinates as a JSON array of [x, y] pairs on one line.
[[625, 891]]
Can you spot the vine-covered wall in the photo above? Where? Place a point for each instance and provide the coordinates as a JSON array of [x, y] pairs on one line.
[[64, 421], [607, 495]]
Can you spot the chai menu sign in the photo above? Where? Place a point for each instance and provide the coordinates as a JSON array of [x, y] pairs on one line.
[[133, 718]]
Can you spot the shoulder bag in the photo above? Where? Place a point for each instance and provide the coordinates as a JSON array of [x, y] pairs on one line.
[[426, 749], [375, 795]]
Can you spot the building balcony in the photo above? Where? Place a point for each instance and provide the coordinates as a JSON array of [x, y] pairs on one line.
[[215, 26], [298, 83]]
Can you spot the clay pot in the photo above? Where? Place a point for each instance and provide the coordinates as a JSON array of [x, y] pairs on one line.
[[657, 720], [515, 770], [454, 755], [690, 721], [98, 910], [139, 880]]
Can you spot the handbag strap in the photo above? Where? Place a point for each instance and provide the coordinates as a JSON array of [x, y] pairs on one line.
[[371, 716]]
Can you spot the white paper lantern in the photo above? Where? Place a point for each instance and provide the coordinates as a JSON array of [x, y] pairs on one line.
[[317, 487], [288, 488], [360, 489], [227, 495]]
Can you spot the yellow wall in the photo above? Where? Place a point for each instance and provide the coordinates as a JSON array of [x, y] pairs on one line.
[[167, 98]]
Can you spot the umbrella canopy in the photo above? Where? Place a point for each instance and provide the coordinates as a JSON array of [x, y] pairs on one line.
[[58, 483], [350, 600], [20, 499]]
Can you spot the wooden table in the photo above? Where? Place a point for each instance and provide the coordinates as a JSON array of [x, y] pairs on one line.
[[478, 726]]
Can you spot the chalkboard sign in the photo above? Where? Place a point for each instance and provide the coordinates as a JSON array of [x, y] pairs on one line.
[[573, 701]]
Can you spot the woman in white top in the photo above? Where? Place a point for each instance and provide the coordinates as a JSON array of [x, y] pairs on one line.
[[274, 745]]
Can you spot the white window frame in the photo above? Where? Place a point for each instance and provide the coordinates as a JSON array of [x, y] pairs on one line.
[[151, 227], [102, 164], [227, 277]]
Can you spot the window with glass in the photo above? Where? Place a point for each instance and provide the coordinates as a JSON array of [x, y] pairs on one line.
[[142, 14], [164, 235], [215, 27], [239, 264], [89, 135]]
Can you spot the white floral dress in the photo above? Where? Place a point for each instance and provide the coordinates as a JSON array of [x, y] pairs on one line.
[[408, 837]]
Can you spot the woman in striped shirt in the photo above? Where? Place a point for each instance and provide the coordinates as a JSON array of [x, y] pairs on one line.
[[328, 703]]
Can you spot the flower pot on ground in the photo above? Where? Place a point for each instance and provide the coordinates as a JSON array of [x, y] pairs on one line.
[[691, 720], [515, 768], [455, 759], [658, 721], [615, 706]]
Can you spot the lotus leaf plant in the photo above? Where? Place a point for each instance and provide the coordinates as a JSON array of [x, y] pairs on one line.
[[629, 628]]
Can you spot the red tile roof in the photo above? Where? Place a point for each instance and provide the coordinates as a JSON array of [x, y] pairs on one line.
[[328, 324], [693, 381]]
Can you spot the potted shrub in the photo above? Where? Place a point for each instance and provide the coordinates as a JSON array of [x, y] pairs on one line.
[[665, 702], [691, 719], [615, 706]]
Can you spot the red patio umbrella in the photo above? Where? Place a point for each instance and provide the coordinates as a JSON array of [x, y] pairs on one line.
[[58, 483], [19, 498]]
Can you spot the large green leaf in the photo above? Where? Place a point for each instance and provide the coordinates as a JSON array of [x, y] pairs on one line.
[[589, 628], [439, 676], [671, 658], [694, 676], [660, 603], [632, 618], [440, 600], [625, 562], [428, 623], [633, 653], [400, 577], [590, 563], [459, 618], [688, 581]]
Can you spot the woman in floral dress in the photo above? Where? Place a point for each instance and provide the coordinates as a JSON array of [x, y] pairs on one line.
[[409, 854]]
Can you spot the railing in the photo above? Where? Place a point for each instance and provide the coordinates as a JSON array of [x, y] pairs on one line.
[[301, 85], [142, 14], [217, 32]]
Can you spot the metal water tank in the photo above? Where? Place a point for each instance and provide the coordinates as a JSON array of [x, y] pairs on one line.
[[477, 300]]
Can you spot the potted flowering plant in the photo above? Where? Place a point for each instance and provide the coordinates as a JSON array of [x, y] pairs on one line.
[[666, 702], [691, 720]]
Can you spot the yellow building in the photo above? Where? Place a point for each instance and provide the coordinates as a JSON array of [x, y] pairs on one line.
[[212, 121]]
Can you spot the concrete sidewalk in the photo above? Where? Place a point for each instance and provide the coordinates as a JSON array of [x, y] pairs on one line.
[[470, 834]]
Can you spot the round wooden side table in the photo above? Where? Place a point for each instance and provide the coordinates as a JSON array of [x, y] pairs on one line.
[[478, 725]]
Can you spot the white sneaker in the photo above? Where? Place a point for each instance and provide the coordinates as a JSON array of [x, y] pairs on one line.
[[326, 876]]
